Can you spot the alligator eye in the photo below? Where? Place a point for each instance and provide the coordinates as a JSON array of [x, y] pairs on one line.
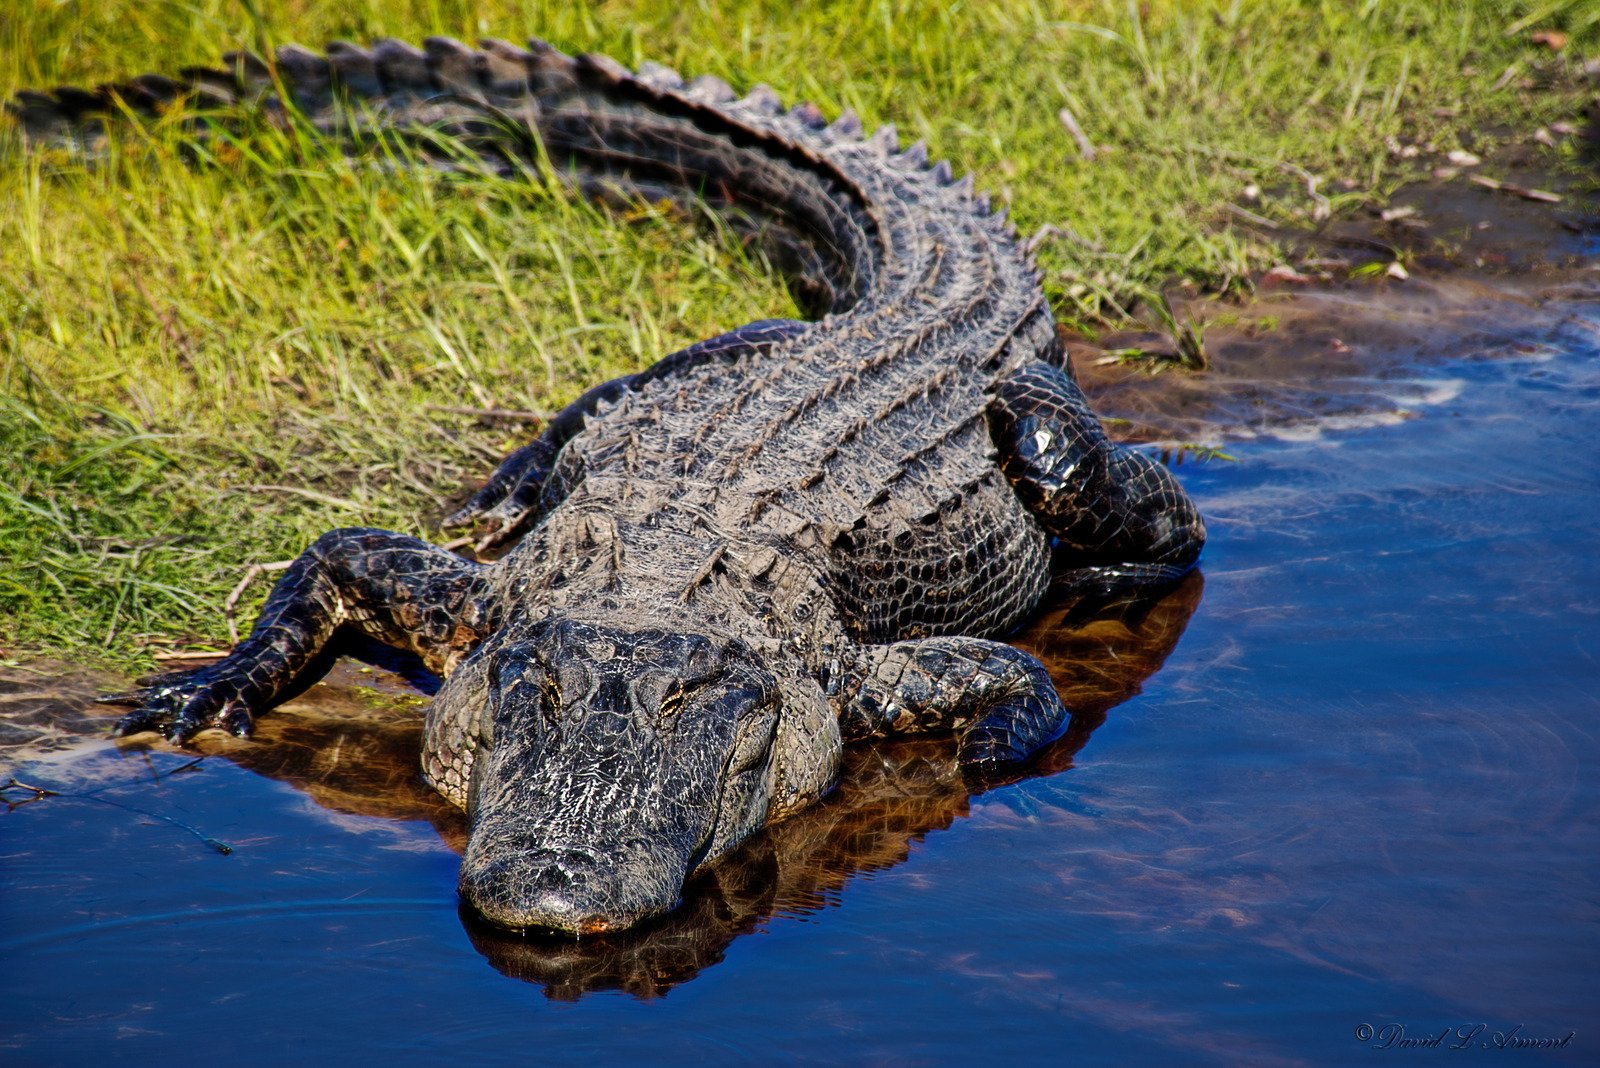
[[550, 694], [672, 703]]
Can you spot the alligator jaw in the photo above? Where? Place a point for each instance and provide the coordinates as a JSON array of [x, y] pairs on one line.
[[558, 892]]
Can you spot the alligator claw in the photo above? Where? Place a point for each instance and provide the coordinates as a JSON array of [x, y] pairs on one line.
[[479, 503], [497, 536], [236, 720], [179, 705], [512, 491]]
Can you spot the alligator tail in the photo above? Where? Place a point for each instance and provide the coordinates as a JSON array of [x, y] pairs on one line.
[[834, 209]]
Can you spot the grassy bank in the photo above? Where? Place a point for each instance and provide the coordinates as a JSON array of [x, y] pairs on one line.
[[204, 367]]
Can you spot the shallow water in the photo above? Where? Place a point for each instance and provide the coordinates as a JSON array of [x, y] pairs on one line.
[[1359, 790]]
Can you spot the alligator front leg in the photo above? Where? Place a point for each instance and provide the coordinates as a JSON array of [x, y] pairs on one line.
[[1121, 516], [396, 589], [521, 488], [998, 698]]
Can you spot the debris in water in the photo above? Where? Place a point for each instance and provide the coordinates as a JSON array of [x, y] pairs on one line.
[[1544, 196], [1283, 274]]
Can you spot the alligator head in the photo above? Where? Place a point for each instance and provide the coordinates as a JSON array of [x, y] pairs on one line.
[[608, 765]]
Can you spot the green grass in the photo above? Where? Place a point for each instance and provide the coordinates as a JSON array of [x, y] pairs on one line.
[[177, 339]]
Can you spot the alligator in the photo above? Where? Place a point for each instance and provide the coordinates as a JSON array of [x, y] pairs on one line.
[[726, 567]]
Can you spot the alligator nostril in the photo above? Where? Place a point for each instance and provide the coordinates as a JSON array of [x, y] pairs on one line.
[[556, 891]]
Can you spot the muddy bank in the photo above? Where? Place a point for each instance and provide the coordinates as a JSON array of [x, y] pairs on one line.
[[1330, 357], [1343, 334]]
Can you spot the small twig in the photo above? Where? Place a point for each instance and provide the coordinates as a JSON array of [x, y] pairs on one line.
[[1051, 230], [1322, 210], [232, 600], [337, 502], [168, 326], [38, 791], [195, 654], [457, 543], [1085, 146], [1249, 216], [507, 414], [1543, 196]]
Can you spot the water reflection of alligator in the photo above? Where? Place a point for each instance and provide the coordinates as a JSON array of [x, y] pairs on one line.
[[891, 794], [784, 538]]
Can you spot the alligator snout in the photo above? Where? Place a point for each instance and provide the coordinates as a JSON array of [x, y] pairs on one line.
[[561, 890]]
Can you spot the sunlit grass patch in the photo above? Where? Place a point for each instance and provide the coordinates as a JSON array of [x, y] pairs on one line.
[[211, 352]]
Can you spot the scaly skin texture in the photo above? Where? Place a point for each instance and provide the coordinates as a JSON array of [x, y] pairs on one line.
[[733, 563]]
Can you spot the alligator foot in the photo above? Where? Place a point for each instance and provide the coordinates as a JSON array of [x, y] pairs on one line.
[[509, 501], [393, 588], [180, 704], [1113, 509], [999, 698]]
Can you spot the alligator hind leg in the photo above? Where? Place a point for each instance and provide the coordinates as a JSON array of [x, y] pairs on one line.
[[521, 488], [999, 698], [1120, 517], [399, 590]]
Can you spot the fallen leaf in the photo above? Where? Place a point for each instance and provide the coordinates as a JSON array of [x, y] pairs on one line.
[[1405, 211], [1554, 40], [1462, 158]]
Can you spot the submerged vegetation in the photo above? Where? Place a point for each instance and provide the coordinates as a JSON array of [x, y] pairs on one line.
[[209, 354]]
